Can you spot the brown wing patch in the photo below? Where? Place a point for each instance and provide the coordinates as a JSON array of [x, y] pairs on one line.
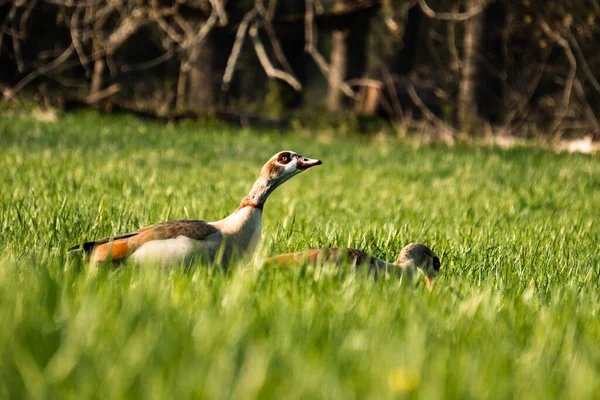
[[282, 260], [193, 229], [333, 255], [285, 260], [291, 259], [115, 250]]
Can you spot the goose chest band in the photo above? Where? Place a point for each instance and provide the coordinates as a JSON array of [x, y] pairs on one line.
[[218, 241]]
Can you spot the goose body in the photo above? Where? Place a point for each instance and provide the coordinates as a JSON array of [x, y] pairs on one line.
[[185, 240], [413, 259]]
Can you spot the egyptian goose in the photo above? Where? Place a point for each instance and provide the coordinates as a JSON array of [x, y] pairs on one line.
[[184, 240], [414, 258]]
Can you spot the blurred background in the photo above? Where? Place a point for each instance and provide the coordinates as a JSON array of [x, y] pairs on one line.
[[520, 67]]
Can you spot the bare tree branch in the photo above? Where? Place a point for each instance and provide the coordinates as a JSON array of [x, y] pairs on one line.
[[149, 64], [18, 53], [73, 3], [103, 94], [391, 87], [75, 37], [202, 34], [86, 20], [562, 42], [583, 62], [589, 113], [266, 64], [181, 22], [101, 16], [318, 6], [309, 35], [453, 16], [25, 17], [266, 19], [157, 15], [374, 83], [9, 93], [446, 131], [237, 47], [455, 65], [128, 26], [271, 9], [219, 8]]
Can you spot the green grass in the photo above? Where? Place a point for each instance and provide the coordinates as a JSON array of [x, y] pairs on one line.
[[514, 313]]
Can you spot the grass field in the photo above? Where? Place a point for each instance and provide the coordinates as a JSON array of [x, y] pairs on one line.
[[514, 313]]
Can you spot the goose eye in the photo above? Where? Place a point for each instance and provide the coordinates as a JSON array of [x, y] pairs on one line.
[[284, 158]]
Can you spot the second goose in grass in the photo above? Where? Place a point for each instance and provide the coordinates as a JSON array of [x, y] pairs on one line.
[[414, 258]]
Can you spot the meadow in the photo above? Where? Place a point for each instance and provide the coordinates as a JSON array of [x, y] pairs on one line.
[[513, 314]]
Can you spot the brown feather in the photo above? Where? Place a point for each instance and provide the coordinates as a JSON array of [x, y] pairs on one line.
[[118, 247], [333, 255], [115, 251]]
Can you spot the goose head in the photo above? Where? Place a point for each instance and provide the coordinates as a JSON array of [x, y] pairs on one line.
[[284, 165], [423, 259], [281, 167]]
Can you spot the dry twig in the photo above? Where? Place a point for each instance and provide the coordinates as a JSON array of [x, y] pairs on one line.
[[75, 38], [44, 69], [127, 27], [562, 42], [455, 65], [367, 82], [266, 63], [237, 47], [103, 94], [150, 63], [195, 41], [219, 8], [453, 16], [266, 19], [586, 68], [446, 131]]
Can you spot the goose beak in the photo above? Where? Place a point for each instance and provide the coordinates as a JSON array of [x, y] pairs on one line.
[[429, 283], [303, 163]]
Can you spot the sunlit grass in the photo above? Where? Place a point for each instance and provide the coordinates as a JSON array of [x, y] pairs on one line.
[[514, 313]]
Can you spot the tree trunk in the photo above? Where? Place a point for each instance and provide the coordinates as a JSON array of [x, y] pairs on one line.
[[96, 83], [201, 96], [368, 100], [467, 105], [338, 70], [182, 83]]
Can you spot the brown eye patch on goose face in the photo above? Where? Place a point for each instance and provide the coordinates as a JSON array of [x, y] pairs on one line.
[[284, 158]]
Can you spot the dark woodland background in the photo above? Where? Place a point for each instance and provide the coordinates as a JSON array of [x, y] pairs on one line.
[[521, 67]]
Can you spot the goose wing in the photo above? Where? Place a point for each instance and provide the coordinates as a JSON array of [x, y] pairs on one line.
[[120, 246], [333, 255]]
